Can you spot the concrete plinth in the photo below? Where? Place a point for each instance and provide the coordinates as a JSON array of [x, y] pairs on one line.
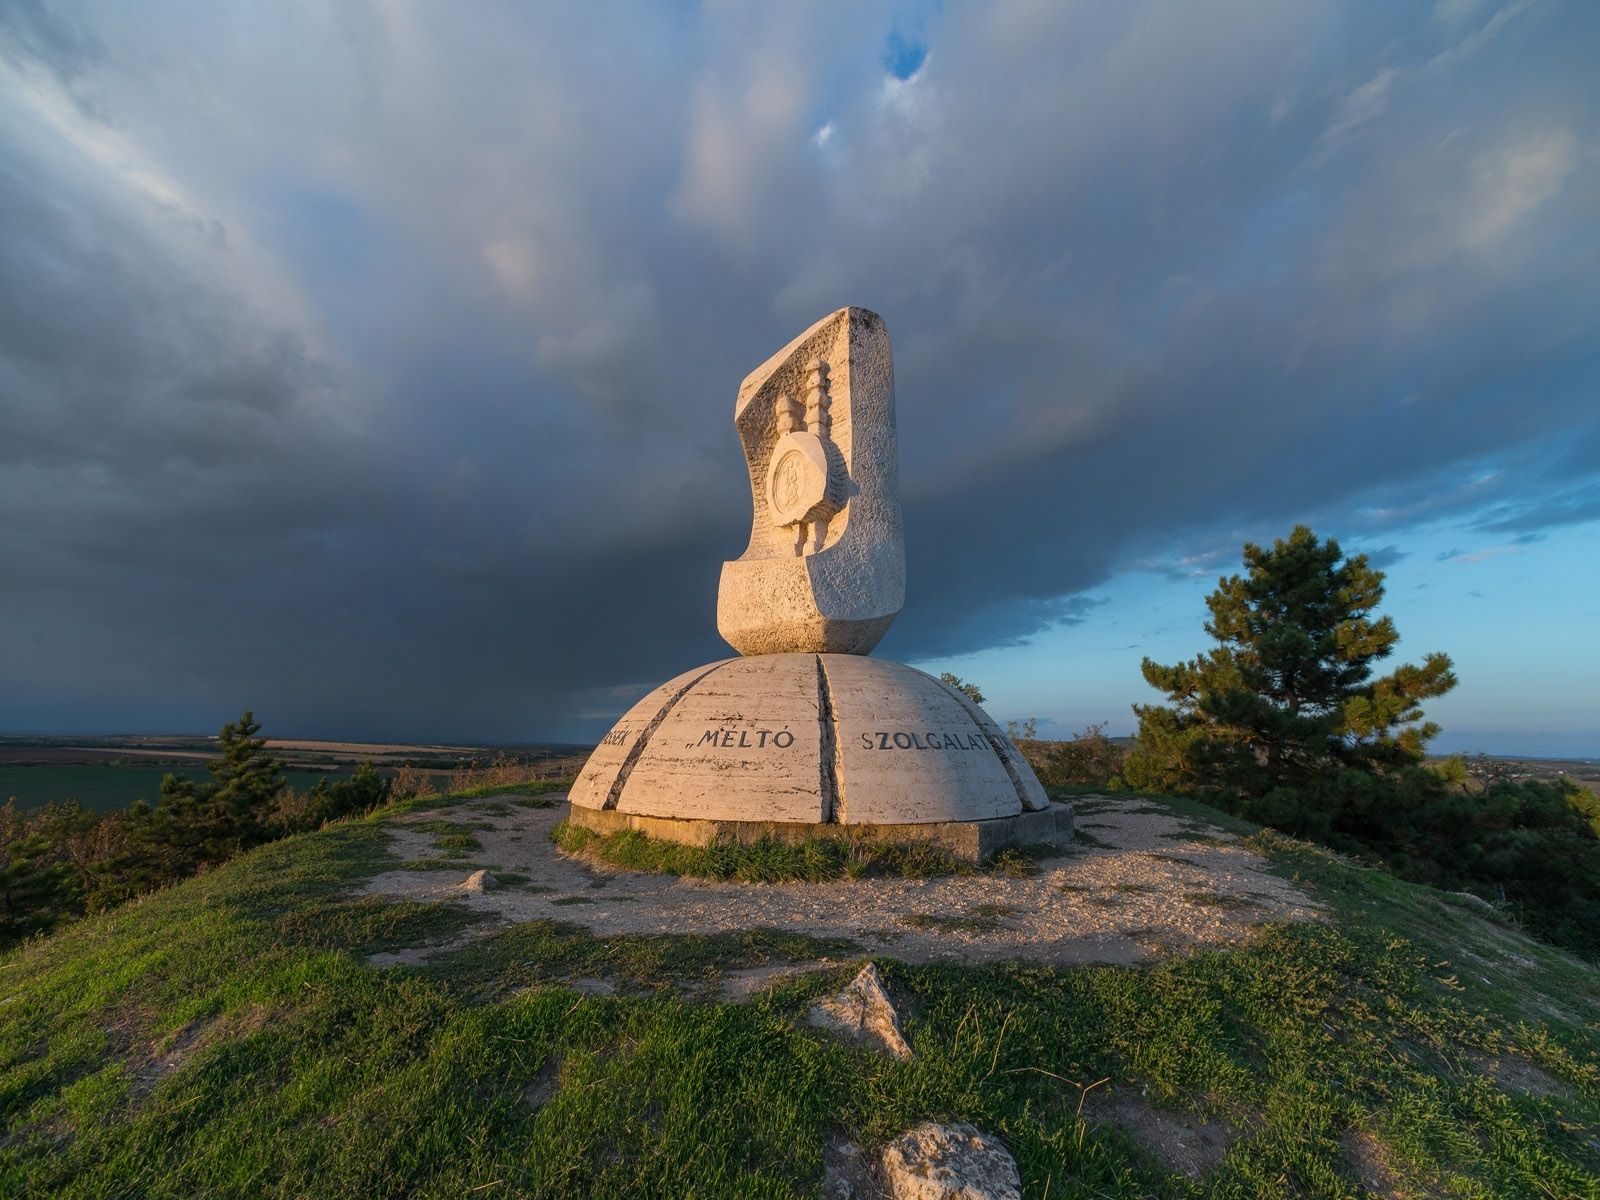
[[833, 741], [969, 841]]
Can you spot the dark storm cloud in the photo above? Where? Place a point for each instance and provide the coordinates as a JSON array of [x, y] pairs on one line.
[[35, 34], [376, 369]]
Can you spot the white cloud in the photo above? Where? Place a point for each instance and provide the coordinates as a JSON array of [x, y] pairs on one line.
[[1510, 181], [200, 232], [1455, 12], [1485, 555], [1365, 103], [516, 263], [742, 140]]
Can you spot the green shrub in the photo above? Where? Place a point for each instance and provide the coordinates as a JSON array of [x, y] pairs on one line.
[[60, 862], [766, 860], [1089, 760], [1526, 845]]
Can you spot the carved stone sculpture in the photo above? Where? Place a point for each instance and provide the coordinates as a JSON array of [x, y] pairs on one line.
[[825, 571], [804, 733]]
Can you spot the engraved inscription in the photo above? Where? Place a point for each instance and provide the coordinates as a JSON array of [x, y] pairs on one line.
[[903, 739], [617, 737], [879, 739], [748, 739]]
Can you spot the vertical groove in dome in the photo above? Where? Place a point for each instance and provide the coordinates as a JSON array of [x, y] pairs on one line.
[[832, 782], [615, 794]]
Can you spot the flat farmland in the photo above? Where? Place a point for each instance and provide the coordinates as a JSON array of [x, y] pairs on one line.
[[110, 786], [104, 773]]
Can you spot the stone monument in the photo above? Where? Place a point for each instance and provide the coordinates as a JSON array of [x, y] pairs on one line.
[[804, 734]]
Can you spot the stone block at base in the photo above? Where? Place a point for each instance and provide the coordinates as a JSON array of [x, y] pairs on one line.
[[970, 841]]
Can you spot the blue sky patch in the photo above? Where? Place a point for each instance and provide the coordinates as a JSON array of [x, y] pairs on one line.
[[903, 56]]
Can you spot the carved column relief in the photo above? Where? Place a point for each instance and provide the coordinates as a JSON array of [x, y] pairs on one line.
[[805, 471], [825, 568]]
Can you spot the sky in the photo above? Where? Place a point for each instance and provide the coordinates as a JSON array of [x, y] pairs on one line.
[[372, 365]]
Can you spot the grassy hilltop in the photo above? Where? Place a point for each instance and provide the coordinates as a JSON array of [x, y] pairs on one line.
[[230, 1037]]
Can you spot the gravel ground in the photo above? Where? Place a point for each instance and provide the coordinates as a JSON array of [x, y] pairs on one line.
[[1142, 884]]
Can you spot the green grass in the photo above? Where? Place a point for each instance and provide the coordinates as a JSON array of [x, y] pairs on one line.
[[533, 801], [444, 827], [372, 924], [109, 787], [815, 860], [438, 864], [1020, 862], [950, 923], [456, 843], [1216, 900], [539, 793], [227, 1037], [451, 838]]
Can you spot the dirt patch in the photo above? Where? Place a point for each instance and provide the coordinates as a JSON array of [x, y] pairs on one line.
[[536, 1094], [1147, 886], [415, 956], [151, 1060], [743, 985], [51, 1135], [851, 1173], [1186, 1144], [1367, 1162], [150, 1068], [1518, 1075]]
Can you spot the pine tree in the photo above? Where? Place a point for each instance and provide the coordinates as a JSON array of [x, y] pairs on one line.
[[1287, 695], [37, 888], [210, 823]]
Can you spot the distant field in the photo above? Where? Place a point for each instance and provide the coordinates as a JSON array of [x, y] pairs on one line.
[[108, 772], [105, 788]]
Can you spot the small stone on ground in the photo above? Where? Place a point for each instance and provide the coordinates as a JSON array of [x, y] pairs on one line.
[[949, 1162], [863, 1013]]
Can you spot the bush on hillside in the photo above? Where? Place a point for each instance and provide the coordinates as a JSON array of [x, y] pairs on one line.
[[1526, 845], [61, 862], [1284, 723], [36, 883], [970, 690], [1089, 760], [503, 770]]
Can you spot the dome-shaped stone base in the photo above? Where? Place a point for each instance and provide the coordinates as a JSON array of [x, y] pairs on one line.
[[808, 740]]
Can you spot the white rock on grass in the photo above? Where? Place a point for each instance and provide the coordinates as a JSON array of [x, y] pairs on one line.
[[949, 1162], [479, 882], [863, 1012]]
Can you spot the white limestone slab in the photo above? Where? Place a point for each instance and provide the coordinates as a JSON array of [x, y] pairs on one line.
[[863, 1013], [807, 738], [908, 751], [1029, 789], [742, 744], [949, 1162], [595, 782]]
